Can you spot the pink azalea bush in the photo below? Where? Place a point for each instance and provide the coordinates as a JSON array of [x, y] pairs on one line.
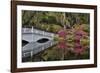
[[62, 45], [78, 49], [72, 41], [62, 33]]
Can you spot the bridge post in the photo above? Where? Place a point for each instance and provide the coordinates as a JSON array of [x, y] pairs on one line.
[[32, 29], [31, 55]]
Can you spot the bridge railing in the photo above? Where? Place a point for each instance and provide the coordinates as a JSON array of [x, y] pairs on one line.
[[36, 31]]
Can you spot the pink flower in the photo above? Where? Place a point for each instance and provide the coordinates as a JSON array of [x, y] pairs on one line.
[[78, 49], [62, 33], [80, 33], [77, 38], [62, 45]]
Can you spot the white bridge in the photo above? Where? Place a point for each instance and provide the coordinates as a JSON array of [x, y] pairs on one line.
[[32, 35]]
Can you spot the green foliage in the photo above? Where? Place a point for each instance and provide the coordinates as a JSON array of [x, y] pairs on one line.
[[60, 18], [86, 28], [85, 42], [56, 38], [51, 54], [48, 19], [56, 28]]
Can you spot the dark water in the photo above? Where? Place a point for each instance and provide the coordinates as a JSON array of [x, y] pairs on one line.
[[42, 40], [24, 42]]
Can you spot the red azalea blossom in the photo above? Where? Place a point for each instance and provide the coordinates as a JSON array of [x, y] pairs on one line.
[[78, 49], [62, 45], [80, 33], [62, 33], [77, 38]]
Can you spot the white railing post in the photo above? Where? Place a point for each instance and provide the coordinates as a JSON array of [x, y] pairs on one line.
[[31, 54], [32, 29]]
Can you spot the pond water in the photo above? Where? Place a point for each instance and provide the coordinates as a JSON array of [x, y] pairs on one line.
[[42, 40]]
